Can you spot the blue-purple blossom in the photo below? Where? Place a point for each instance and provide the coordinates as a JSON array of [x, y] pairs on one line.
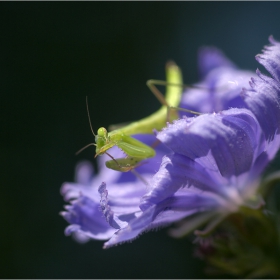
[[206, 167]]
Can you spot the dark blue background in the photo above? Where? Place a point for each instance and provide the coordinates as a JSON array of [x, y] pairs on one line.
[[54, 54]]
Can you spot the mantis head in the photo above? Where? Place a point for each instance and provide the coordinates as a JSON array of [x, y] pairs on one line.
[[101, 139]]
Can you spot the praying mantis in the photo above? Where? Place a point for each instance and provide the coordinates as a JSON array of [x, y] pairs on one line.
[[135, 150]]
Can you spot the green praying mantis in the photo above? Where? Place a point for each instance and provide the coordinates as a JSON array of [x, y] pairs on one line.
[[135, 150]]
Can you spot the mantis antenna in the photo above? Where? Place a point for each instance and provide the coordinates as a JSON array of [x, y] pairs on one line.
[[91, 144], [89, 117]]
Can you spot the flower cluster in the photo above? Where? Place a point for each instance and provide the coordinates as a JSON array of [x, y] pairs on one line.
[[206, 167]]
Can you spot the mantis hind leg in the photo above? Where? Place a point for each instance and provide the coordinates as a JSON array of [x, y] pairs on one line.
[[174, 87], [170, 108], [172, 99]]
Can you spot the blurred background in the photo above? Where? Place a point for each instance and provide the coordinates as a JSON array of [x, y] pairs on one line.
[[53, 55]]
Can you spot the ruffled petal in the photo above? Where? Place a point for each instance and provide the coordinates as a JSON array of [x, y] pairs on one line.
[[226, 141], [85, 216], [174, 208], [270, 58], [105, 207], [263, 99], [178, 171]]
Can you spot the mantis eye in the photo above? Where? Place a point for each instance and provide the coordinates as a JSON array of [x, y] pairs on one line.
[[102, 132]]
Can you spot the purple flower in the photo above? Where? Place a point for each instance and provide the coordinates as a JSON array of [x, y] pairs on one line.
[[206, 167]]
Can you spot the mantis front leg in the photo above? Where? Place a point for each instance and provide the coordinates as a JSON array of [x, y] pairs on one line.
[[135, 150], [123, 164]]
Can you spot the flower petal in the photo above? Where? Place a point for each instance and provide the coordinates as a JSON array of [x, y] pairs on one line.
[[84, 172], [270, 58], [178, 171], [224, 141], [210, 58], [263, 99], [174, 208], [85, 216], [221, 86], [106, 209]]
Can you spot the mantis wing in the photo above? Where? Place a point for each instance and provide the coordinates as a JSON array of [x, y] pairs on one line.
[[135, 148]]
